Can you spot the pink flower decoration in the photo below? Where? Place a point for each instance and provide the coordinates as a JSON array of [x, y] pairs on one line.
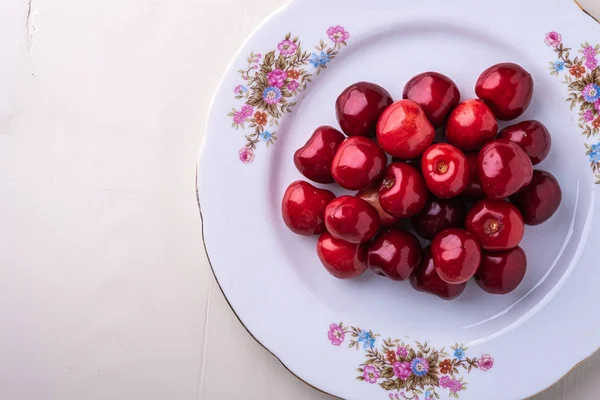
[[553, 39], [371, 374], [247, 110], [588, 115], [239, 118], [486, 362], [246, 155], [287, 47], [596, 106], [402, 370], [293, 86], [338, 34], [402, 351], [277, 78], [336, 334]]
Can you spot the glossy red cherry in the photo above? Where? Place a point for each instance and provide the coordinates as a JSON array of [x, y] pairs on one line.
[[507, 88], [403, 192], [303, 208], [435, 93], [342, 259], [446, 170], [497, 224], [540, 200], [473, 192], [503, 169], [532, 137], [501, 272], [426, 279], [359, 106], [395, 254], [456, 255], [404, 131], [358, 163], [439, 214], [471, 125], [314, 159], [351, 219], [371, 196]]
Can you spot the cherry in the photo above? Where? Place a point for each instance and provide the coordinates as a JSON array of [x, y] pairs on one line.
[[471, 125], [532, 137], [540, 200], [438, 215], [359, 106], [403, 192], [501, 272], [473, 192], [395, 254], [426, 279], [503, 169], [446, 170], [358, 163], [435, 93], [507, 88], [371, 196], [303, 208], [456, 255], [351, 219], [313, 160], [404, 131], [497, 224], [342, 259]]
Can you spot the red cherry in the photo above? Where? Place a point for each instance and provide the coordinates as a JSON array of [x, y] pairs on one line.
[[342, 259], [497, 224], [351, 219], [471, 125], [540, 200], [395, 254], [371, 196], [435, 93], [473, 192], [438, 215], [501, 272], [446, 170], [359, 106], [456, 255], [507, 88], [303, 208], [404, 131], [426, 279], [358, 163], [532, 137], [503, 169], [313, 160], [403, 192]]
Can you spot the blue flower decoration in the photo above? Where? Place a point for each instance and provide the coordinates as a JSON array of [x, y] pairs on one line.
[[266, 136], [591, 93], [428, 395], [459, 353], [559, 66], [367, 340], [272, 95], [320, 60], [419, 366], [595, 153]]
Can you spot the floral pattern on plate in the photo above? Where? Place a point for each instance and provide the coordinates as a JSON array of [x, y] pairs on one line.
[[271, 83], [582, 77], [411, 372]]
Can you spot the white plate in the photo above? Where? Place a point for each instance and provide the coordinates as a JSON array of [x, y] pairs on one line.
[[502, 347]]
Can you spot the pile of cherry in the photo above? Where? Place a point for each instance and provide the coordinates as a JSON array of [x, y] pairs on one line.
[[470, 193]]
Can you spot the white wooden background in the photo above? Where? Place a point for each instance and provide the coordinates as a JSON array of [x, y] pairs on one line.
[[105, 292]]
